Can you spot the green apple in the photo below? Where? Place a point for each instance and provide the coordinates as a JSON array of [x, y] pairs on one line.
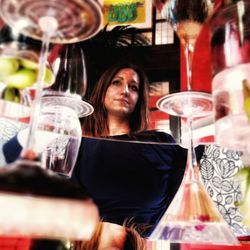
[[49, 77], [28, 64], [244, 208], [8, 66], [23, 78], [11, 94], [243, 177]]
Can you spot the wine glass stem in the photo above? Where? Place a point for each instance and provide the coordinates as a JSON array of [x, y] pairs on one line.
[[189, 48], [193, 172], [39, 87]]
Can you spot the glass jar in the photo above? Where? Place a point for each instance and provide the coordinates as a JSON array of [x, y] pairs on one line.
[[230, 53], [60, 128]]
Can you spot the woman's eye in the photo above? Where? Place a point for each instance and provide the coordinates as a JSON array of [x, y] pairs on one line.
[[134, 88], [116, 82]]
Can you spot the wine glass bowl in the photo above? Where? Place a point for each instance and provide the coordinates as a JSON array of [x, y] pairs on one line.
[[60, 127], [70, 83], [70, 71], [187, 17], [77, 20]]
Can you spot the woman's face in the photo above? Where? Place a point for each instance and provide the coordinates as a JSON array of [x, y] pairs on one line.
[[122, 94]]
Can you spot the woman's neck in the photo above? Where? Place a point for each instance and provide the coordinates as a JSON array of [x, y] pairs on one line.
[[113, 236], [118, 126]]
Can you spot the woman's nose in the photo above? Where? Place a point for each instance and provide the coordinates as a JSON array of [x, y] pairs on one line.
[[125, 89]]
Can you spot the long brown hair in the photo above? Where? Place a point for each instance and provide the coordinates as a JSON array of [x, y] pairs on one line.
[[133, 240], [96, 124]]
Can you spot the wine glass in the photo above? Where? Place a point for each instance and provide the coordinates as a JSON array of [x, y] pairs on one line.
[[187, 18], [62, 105], [64, 21], [69, 87]]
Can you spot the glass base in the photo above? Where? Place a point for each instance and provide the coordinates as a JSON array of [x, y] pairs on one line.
[[187, 104], [76, 20]]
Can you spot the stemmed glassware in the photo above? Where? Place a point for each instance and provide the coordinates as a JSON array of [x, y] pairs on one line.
[[187, 18], [56, 209], [62, 105], [192, 216]]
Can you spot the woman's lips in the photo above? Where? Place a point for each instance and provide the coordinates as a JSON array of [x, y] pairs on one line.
[[123, 100]]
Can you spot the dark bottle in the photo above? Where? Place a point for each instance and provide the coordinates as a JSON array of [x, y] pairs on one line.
[[43, 244]]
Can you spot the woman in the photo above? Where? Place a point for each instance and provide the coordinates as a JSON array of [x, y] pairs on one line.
[[130, 182]]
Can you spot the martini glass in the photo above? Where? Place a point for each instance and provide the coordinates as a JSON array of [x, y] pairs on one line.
[[68, 215]]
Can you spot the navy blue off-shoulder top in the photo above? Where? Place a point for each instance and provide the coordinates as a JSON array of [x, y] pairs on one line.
[[129, 181]]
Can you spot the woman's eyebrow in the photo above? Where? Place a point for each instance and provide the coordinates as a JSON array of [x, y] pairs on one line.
[[136, 82], [119, 77], [122, 78]]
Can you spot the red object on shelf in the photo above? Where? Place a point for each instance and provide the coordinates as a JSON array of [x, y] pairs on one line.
[[213, 247], [201, 68], [14, 243], [160, 245], [24, 120], [156, 115]]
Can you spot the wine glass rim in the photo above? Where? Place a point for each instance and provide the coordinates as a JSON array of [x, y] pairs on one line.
[[225, 11], [73, 101]]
